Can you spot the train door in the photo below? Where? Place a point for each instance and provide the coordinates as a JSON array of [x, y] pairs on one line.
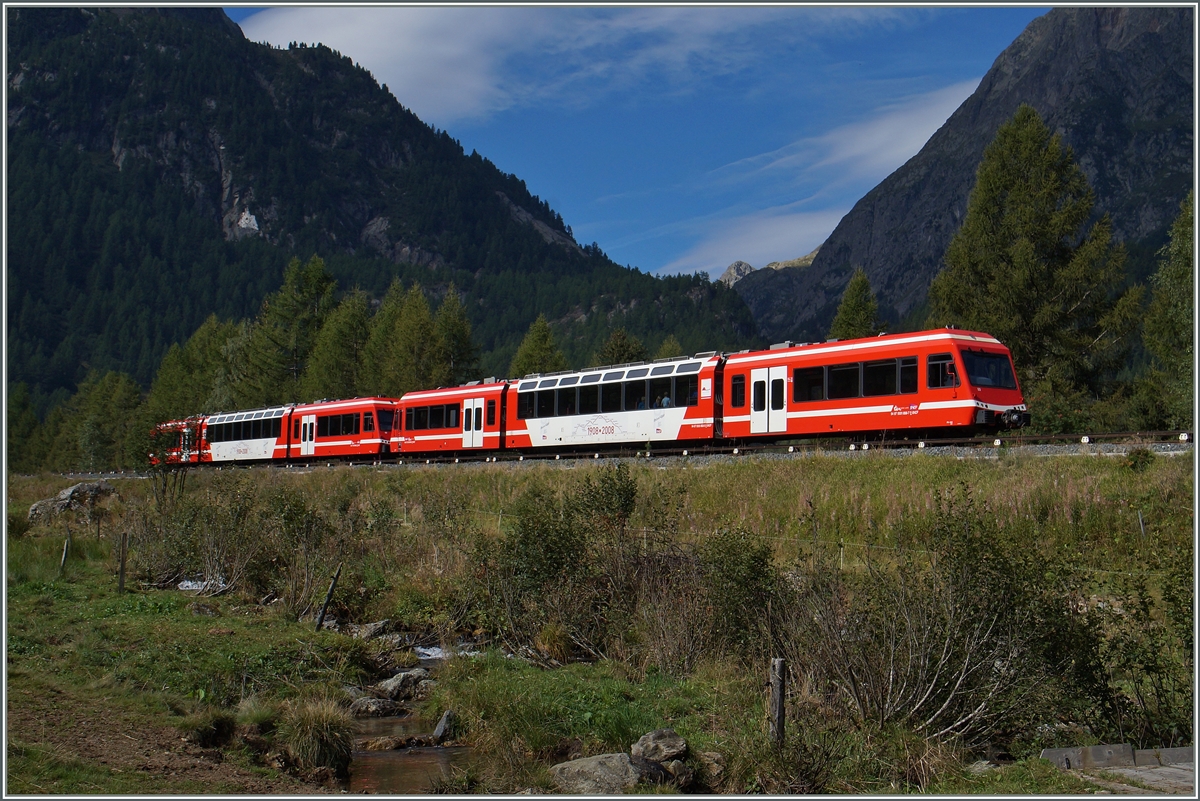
[[768, 400], [308, 430], [777, 400], [472, 415], [758, 400]]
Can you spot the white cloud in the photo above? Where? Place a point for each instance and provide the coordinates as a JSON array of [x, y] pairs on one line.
[[866, 151], [450, 64], [760, 238]]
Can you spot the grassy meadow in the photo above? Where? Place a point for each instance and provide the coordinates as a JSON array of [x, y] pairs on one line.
[[1015, 603]]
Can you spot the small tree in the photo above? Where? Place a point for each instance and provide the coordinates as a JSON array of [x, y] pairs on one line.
[[621, 348], [1022, 269], [455, 331], [537, 352], [1168, 329], [332, 369], [669, 349], [857, 314]]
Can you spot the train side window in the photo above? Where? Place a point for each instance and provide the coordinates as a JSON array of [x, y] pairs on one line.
[[545, 403], [635, 395], [908, 375], [491, 413], [421, 418], [610, 398], [322, 426], [256, 429], [844, 381], [589, 399], [452, 415], [437, 417], [737, 391], [758, 401], [879, 378], [409, 420], [350, 423], [368, 421], [940, 371], [660, 391], [777, 394], [685, 390], [808, 384], [526, 405], [566, 401]]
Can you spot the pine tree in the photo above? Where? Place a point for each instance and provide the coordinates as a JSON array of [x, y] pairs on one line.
[[22, 431], [454, 330], [1168, 330], [1022, 269], [858, 313], [333, 366], [669, 349], [188, 373], [620, 348], [537, 352], [379, 347]]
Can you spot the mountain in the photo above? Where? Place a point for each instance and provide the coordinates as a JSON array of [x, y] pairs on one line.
[[1116, 83], [162, 168]]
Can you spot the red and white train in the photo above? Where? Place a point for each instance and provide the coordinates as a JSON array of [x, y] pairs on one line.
[[923, 384]]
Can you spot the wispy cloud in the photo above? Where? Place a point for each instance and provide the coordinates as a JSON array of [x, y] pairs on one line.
[[760, 238], [867, 150], [450, 64]]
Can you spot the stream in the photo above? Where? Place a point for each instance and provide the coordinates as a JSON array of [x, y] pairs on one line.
[[403, 771]]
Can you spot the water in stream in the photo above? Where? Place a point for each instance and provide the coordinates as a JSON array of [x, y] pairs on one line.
[[405, 770]]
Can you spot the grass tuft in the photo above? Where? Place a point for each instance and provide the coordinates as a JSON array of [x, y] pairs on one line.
[[318, 733]]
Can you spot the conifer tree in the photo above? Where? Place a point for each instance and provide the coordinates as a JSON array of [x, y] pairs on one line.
[[378, 349], [1022, 268], [620, 348], [858, 313], [537, 353], [454, 330], [286, 330], [187, 375], [1168, 331], [669, 349], [332, 369]]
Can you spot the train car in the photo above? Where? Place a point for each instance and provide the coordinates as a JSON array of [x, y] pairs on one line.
[[466, 418], [669, 400], [342, 429], [177, 441], [251, 435], [924, 382]]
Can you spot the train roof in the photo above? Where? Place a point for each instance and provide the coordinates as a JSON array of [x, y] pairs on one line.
[[834, 346]]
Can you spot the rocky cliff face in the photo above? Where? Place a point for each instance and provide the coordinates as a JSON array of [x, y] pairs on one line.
[[1116, 83]]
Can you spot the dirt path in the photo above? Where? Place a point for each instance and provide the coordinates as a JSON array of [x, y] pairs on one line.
[[110, 740]]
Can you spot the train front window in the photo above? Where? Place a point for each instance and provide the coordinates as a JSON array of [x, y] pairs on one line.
[[993, 370], [386, 418], [940, 371]]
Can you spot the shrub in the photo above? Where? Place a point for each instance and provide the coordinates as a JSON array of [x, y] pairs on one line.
[[1138, 459], [318, 733], [208, 727]]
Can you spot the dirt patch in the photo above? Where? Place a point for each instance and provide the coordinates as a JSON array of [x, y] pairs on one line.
[[119, 741]]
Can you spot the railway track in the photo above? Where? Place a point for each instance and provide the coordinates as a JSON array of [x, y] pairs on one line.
[[964, 447]]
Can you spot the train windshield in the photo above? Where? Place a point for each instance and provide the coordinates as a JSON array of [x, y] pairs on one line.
[[989, 369]]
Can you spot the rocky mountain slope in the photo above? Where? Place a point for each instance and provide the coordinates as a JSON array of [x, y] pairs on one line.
[[162, 168], [1116, 83]]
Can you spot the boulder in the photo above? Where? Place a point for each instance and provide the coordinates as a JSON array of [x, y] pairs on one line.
[[713, 764], [660, 745], [402, 685], [606, 774], [681, 774], [368, 631], [423, 689], [374, 708], [78, 496], [444, 727]]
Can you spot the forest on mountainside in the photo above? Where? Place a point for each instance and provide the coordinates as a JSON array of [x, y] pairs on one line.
[[163, 169]]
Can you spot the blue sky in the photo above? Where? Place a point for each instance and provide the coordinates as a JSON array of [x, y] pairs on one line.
[[679, 139]]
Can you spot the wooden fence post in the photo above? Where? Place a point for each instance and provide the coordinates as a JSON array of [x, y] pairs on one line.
[[124, 550], [778, 693], [328, 595]]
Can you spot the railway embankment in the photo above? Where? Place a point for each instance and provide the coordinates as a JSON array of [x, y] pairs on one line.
[[1028, 601]]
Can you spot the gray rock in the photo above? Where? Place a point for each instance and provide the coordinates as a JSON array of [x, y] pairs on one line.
[[77, 496], [660, 745], [402, 685], [444, 726], [374, 708], [713, 764], [423, 689], [369, 631], [606, 774], [682, 775]]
